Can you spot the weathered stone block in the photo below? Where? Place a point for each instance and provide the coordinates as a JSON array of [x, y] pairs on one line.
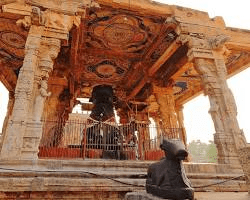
[[142, 195], [244, 155]]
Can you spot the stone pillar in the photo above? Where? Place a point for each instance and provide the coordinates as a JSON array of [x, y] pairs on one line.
[[180, 117], [49, 49], [46, 29], [142, 124], [153, 111], [8, 114], [165, 99], [209, 62], [13, 141]]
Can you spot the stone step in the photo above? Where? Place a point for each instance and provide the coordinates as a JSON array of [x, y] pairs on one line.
[[142, 195], [108, 175]]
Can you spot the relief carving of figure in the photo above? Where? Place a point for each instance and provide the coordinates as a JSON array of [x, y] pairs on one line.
[[215, 114], [39, 102], [218, 41], [231, 105]]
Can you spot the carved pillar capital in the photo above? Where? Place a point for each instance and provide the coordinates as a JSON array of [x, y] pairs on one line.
[[58, 17], [49, 50], [162, 90], [153, 106]]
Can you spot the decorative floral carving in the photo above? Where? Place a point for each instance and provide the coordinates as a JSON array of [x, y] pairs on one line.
[[119, 32], [12, 43], [13, 39], [106, 69]]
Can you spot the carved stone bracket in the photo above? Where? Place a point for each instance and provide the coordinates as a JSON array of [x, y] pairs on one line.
[[57, 25], [203, 47], [57, 18], [49, 50]]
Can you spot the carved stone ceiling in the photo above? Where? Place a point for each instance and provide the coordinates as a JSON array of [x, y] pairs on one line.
[[114, 47], [118, 47]]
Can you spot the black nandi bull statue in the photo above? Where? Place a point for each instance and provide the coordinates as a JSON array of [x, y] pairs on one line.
[[167, 178]]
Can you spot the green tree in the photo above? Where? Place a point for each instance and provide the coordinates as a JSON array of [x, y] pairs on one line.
[[211, 152], [202, 152]]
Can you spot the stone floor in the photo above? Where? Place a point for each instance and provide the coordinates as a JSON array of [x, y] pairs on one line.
[[222, 196], [143, 195]]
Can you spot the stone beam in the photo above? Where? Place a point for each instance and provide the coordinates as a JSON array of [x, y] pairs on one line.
[[196, 91], [156, 66], [184, 68], [17, 8], [165, 56], [238, 46], [143, 6], [59, 6], [3, 2], [238, 36], [137, 89]]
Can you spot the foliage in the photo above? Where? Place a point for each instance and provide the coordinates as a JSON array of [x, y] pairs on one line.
[[202, 152]]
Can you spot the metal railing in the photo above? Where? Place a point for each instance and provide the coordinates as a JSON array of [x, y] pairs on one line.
[[87, 140]]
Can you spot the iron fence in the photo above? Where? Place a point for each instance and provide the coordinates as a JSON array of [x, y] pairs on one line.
[[90, 139]]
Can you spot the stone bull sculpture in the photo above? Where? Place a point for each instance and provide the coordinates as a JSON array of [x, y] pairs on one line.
[[167, 178]]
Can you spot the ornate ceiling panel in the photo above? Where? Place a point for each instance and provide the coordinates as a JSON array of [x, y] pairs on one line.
[[103, 69], [12, 43], [118, 47], [120, 32]]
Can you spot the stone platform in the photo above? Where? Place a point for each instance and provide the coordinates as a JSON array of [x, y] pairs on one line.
[[142, 195], [102, 179]]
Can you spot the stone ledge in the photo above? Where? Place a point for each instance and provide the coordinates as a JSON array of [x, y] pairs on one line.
[[108, 164], [142, 195], [97, 175]]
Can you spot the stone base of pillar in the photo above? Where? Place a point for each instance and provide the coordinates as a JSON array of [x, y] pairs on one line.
[[232, 161], [22, 141], [12, 142], [31, 140], [244, 155], [227, 152]]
